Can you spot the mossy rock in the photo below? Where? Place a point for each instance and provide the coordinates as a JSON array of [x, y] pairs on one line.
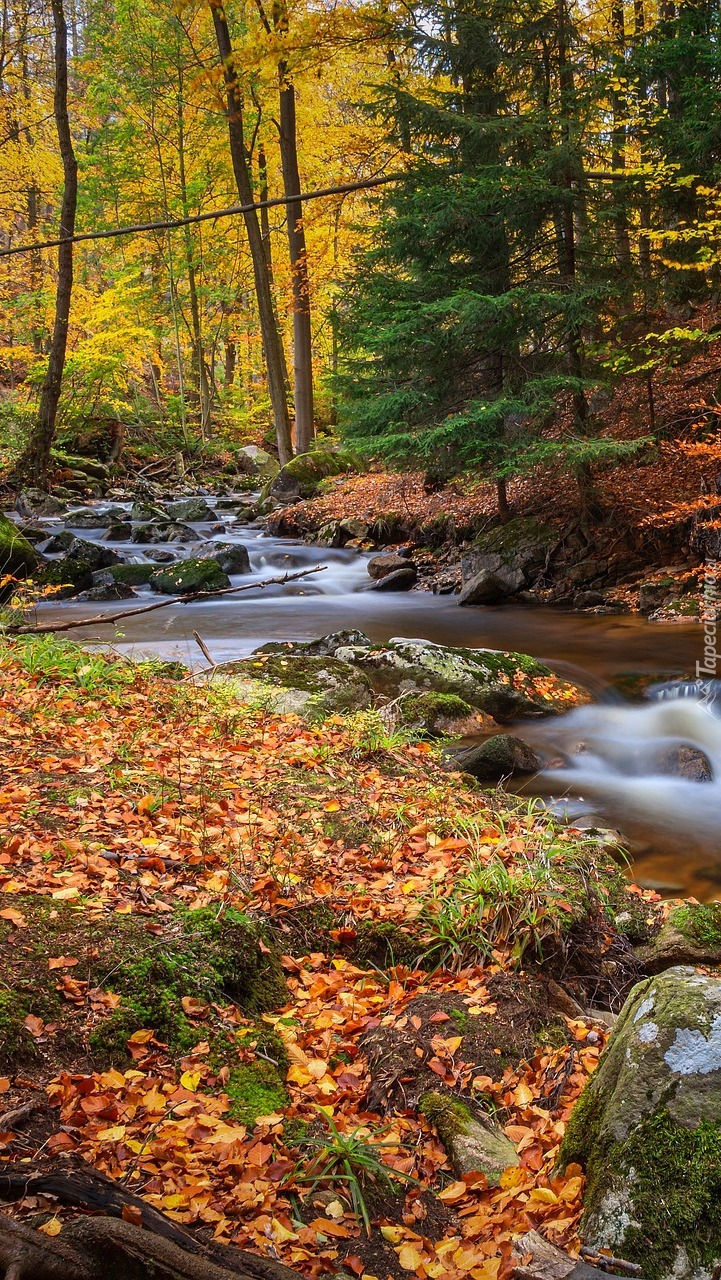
[[474, 1144], [133, 575], [306, 471], [18, 556], [647, 1131], [505, 685], [522, 534], [691, 934], [327, 686], [189, 576]]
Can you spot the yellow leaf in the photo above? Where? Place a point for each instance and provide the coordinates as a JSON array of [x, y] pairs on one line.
[[392, 1233], [409, 1257], [572, 1190], [542, 1195], [113, 1134], [298, 1074], [190, 1080], [317, 1068], [335, 1209], [142, 1036], [279, 1233], [51, 1228], [456, 1191]]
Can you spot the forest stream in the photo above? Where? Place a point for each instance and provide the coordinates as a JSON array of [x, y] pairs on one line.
[[607, 758]]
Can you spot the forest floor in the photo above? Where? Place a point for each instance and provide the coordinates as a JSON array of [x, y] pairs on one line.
[[238, 949]]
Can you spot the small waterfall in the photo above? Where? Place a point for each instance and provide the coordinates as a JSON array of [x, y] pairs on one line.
[[629, 764]]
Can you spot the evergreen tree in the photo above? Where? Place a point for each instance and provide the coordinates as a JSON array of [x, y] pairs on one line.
[[467, 320]]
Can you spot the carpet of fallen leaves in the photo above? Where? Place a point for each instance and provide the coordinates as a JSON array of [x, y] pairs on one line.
[[138, 798]]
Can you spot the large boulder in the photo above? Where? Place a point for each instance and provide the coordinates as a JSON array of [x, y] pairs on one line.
[[231, 556], [388, 562], [34, 502], [301, 477], [18, 557], [506, 685], [81, 560], [301, 684], [196, 510], [504, 560], [647, 1131], [251, 460], [189, 576]]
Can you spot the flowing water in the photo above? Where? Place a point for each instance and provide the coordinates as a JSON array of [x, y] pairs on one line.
[[608, 758]]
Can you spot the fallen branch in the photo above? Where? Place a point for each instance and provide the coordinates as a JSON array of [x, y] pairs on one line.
[[103, 1246], [535, 1258], [19, 630]]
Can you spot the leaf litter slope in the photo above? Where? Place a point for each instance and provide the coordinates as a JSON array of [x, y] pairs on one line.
[[133, 801]]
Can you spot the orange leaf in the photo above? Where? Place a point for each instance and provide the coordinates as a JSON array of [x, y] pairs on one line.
[[329, 1228]]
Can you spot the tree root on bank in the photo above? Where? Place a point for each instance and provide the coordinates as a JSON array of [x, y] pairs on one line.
[[110, 1247]]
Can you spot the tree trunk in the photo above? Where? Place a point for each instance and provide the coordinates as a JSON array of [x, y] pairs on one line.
[[197, 350], [302, 341], [36, 457], [268, 326], [644, 243], [619, 106]]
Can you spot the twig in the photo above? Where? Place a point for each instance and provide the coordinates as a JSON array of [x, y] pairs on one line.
[[18, 630], [204, 649], [11, 1119], [607, 1262]]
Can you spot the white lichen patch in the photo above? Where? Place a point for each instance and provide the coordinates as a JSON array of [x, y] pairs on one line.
[[645, 1007], [692, 1053], [648, 1032]]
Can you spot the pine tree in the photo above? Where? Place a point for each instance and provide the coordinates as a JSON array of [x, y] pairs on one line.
[[467, 321]]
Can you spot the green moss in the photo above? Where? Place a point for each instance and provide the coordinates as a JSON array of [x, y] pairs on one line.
[[17, 556], [383, 944], [431, 711], [16, 1043], [135, 575], [674, 1190], [506, 539], [210, 956], [449, 1116], [701, 922], [255, 1089]]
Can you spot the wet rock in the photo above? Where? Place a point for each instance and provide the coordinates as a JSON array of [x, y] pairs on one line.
[[487, 587], [647, 1130], [383, 565], [133, 575], [685, 762], [189, 576], [145, 512], [59, 542], [399, 580], [109, 591], [473, 1142], [153, 532], [195, 510], [251, 460], [80, 561], [231, 556], [586, 571], [318, 686], [330, 535], [87, 518], [119, 531], [160, 556], [33, 502], [502, 756], [17, 554], [588, 599]]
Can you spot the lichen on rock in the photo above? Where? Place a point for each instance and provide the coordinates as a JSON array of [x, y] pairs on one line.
[[647, 1130]]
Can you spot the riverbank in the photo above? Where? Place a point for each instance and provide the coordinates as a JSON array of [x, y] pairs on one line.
[[200, 1004]]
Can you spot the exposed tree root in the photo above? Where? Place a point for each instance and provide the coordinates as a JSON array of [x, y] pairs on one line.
[[100, 1248]]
